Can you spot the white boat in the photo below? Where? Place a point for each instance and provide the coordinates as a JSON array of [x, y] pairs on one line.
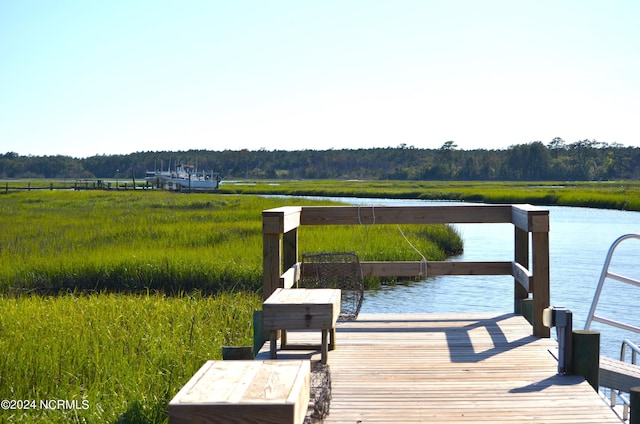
[[184, 177]]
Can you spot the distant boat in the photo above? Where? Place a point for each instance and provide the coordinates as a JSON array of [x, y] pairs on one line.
[[184, 177]]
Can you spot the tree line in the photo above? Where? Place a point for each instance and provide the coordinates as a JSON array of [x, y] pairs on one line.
[[584, 160]]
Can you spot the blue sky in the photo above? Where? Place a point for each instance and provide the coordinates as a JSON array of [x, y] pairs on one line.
[[82, 78]]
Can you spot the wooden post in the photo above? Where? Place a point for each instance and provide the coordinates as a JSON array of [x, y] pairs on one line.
[[290, 248], [259, 335], [634, 405], [271, 260], [276, 223], [541, 300], [521, 256], [586, 356]]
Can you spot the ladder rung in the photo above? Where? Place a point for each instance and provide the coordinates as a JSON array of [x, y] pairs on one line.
[[623, 279], [615, 323]]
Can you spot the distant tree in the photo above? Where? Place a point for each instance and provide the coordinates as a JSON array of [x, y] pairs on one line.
[[446, 169], [584, 154], [449, 145], [581, 160], [527, 161], [557, 144]]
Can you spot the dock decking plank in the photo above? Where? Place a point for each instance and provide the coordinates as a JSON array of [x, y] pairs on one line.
[[451, 368]]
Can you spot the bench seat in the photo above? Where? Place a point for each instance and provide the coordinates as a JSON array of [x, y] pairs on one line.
[[244, 391], [302, 309]]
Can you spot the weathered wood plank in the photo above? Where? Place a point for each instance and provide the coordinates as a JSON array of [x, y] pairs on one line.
[[522, 278], [301, 308], [244, 391], [271, 263], [369, 215], [618, 375], [417, 268], [291, 276], [445, 368], [281, 220], [530, 218], [540, 281]]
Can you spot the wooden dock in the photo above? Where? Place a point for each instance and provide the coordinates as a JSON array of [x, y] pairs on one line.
[[441, 368], [445, 368]]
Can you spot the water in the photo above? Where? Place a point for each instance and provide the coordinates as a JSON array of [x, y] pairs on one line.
[[578, 241]]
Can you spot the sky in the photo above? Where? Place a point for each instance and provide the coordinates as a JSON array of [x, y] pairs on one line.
[[85, 78]]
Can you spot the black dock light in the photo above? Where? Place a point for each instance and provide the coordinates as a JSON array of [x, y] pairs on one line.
[[562, 319]]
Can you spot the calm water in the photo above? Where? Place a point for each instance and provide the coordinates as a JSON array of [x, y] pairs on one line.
[[579, 240]]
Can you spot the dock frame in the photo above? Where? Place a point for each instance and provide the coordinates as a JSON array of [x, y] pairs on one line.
[[529, 267]]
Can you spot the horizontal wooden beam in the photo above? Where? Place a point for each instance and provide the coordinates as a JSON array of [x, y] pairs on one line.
[[370, 215], [284, 219], [416, 268], [522, 275], [290, 276], [407, 269], [618, 375]]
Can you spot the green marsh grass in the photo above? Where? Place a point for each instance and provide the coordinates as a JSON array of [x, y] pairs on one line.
[[623, 195], [385, 242], [126, 356], [130, 241]]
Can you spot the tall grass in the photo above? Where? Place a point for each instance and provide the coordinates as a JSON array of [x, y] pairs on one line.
[[130, 241], [385, 242], [126, 356]]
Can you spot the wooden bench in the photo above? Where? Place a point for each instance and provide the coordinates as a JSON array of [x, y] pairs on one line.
[[244, 391], [302, 309], [618, 375]]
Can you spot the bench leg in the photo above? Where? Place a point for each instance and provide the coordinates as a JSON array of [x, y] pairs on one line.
[[324, 347], [272, 344], [332, 343]]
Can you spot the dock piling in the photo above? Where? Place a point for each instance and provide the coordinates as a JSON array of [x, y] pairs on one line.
[[634, 405], [586, 356]]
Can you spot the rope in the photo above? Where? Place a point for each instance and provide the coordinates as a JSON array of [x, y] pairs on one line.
[[365, 240], [373, 214], [423, 262]]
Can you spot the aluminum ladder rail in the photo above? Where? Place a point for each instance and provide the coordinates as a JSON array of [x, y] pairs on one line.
[[616, 394], [603, 276]]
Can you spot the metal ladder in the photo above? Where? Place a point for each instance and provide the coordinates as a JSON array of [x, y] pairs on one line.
[[635, 350], [603, 276]]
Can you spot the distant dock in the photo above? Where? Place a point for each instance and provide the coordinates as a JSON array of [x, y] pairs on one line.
[[14, 186]]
